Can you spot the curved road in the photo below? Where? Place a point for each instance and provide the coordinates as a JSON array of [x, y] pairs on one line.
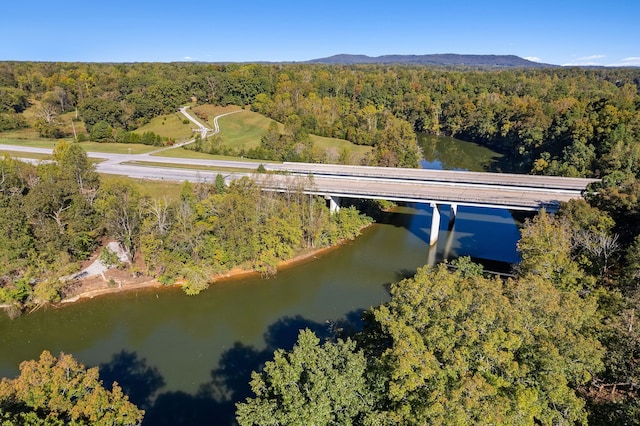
[[204, 131], [113, 162]]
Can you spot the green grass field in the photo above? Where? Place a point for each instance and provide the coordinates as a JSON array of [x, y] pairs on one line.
[[117, 148], [10, 139], [109, 148], [243, 130], [212, 111], [169, 126], [186, 153], [358, 151]]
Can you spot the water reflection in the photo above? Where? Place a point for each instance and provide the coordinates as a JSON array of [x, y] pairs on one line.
[[445, 153], [488, 236]]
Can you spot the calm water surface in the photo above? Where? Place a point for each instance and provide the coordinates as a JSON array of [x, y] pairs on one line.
[[187, 360], [453, 154]]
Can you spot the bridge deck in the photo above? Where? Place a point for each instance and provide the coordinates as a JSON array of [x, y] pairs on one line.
[[428, 175], [439, 192]]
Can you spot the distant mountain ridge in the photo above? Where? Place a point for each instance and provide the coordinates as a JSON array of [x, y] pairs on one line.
[[441, 59]]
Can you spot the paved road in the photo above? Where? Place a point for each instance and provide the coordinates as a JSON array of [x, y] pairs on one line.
[[451, 176], [203, 129], [418, 185], [470, 194]]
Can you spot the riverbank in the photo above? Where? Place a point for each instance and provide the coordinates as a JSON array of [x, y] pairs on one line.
[[121, 280]]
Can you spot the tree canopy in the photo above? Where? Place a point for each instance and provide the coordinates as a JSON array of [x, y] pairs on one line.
[[312, 384], [57, 391], [448, 348]]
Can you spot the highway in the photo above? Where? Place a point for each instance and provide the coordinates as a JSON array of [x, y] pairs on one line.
[[432, 192], [452, 176], [519, 192]]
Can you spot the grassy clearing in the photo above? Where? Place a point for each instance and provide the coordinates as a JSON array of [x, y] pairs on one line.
[[109, 148], [20, 135], [6, 139], [169, 126], [212, 111], [117, 148], [243, 130], [323, 142]]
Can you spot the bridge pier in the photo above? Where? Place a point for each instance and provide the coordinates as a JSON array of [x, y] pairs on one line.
[[334, 203], [435, 221], [435, 224]]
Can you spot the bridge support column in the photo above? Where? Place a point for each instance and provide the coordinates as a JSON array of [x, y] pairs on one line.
[[435, 221], [435, 224], [334, 203], [431, 257]]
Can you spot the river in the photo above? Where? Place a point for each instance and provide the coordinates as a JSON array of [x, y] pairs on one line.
[[187, 360]]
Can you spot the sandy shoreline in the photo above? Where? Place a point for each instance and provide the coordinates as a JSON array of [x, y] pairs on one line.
[[235, 273]]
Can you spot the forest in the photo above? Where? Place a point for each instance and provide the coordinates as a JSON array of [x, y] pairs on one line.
[[556, 344]]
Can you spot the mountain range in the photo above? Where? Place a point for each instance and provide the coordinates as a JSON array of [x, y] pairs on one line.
[[446, 59]]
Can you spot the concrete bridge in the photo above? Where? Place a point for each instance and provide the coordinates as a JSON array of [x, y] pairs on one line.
[[436, 187]]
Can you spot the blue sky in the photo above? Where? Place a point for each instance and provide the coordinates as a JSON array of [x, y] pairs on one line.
[[558, 32]]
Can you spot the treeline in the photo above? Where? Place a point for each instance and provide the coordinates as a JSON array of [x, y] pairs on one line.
[[56, 214], [567, 121]]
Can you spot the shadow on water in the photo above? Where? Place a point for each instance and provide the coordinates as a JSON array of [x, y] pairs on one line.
[[137, 380], [214, 402], [416, 221]]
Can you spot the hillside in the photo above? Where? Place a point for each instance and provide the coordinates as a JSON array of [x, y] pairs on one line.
[[447, 59]]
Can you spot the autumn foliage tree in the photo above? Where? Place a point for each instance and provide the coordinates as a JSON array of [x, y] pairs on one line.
[[48, 223], [57, 391]]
